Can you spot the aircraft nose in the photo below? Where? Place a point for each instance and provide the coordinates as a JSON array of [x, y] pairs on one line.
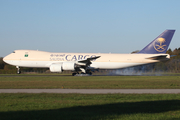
[[5, 59]]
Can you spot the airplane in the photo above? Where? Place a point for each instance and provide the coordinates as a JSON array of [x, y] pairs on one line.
[[85, 63]]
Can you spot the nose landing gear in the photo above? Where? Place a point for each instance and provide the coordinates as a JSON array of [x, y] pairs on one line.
[[18, 70]]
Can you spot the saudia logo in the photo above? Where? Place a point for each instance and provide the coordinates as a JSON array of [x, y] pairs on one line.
[[159, 45], [63, 57]]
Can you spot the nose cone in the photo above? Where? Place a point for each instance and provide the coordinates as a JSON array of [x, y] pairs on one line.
[[5, 59]]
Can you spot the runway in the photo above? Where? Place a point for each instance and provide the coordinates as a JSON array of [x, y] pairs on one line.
[[94, 91]]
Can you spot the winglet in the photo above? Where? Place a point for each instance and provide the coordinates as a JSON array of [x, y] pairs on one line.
[[159, 44]]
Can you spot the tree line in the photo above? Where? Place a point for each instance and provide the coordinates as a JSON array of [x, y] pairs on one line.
[[172, 65]]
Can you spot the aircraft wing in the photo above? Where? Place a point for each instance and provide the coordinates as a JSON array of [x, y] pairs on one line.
[[87, 61]]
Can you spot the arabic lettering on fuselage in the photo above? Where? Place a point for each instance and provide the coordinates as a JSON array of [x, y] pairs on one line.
[[69, 57]]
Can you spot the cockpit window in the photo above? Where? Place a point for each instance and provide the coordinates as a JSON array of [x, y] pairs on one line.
[[13, 51]]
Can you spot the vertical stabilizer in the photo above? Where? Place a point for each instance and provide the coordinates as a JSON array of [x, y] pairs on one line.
[[159, 44]]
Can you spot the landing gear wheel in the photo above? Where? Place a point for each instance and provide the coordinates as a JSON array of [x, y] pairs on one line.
[[73, 74], [90, 73], [19, 72]]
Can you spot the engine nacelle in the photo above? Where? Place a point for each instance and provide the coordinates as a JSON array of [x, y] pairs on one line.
[[68, 66], [59, 67], [56, 68]]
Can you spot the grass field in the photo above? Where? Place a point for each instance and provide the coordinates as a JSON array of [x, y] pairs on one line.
[[92, 106], [89, 82], [89, 107]]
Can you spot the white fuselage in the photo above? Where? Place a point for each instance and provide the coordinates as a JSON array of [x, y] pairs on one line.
[[40, 59]]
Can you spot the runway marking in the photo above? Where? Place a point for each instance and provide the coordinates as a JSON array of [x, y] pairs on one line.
[[94, 91]]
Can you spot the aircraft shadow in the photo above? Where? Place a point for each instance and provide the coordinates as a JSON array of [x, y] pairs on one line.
[[95, 111]]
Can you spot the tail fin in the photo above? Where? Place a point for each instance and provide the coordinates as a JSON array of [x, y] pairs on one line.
[[160, 44]]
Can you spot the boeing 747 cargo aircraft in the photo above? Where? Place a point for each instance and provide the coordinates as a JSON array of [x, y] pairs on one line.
[[86, 62]]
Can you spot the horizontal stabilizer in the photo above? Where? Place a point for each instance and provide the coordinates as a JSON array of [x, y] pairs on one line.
[[160, 57]]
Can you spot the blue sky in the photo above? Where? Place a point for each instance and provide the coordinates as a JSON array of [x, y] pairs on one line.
[[96, 26]]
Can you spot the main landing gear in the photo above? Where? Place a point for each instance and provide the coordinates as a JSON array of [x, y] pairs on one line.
[[82, 74]]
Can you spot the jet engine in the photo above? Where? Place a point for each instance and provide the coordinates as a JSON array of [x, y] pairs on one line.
[[59, 67]]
